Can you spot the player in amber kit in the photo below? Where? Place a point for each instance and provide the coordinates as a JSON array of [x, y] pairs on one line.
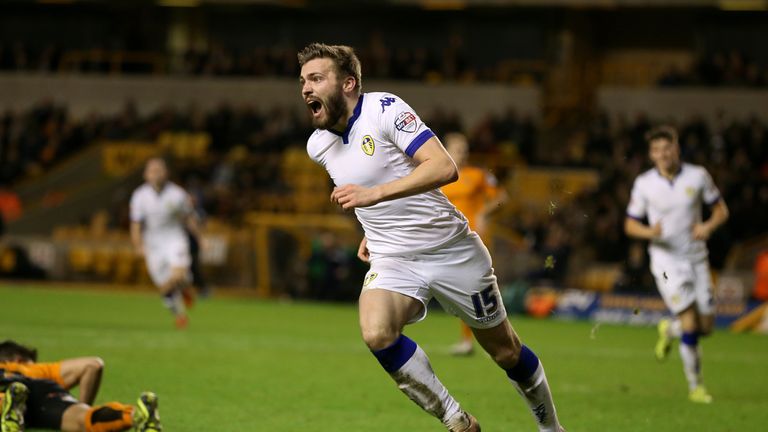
[[35, 395], [476, 194]]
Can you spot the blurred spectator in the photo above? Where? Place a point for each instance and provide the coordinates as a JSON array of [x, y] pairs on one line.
[[731, 68], [10, 204]]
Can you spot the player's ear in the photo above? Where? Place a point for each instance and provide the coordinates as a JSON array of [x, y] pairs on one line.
[[349, 83]]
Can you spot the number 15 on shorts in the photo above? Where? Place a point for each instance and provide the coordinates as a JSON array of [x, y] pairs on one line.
[[485, 302]]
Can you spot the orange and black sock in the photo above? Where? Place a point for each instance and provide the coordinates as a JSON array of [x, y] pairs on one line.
[[111, 417]]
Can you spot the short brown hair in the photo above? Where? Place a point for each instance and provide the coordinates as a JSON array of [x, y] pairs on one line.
[[11, 351], [343, 56], [661, 132]]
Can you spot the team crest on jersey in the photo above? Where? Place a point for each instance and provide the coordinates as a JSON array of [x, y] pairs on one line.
[[690, 191], [369, 278], [406, 122], [368, 145]]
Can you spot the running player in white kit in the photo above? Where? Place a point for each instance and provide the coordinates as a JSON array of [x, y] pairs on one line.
[[160, 209], [671, 196], [387, 166]]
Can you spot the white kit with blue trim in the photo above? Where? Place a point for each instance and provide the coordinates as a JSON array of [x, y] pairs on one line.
[[377, 147], [677, 205]]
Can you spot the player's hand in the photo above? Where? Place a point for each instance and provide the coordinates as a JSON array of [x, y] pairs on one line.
[[362, 251], [701, 232], [351, 196], [139, 250], [656, 231]]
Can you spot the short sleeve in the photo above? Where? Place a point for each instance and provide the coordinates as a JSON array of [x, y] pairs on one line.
[[137, 213], [710, 192], [638, 206], [401, 125]]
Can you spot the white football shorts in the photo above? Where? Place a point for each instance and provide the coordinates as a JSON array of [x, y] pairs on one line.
[[458, 275], [683, 283], [161, 257]]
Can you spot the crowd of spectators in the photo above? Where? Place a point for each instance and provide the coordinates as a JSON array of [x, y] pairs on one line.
[[590, 228], [244, 161], [379, 61], [720, 69]]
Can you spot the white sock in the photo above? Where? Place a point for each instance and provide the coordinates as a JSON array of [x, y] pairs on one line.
[[691, 356], [535, 391], [675, 329], [417, 380]]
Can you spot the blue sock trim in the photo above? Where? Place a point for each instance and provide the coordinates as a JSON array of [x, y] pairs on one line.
[[525, 366], [690, 338], [396, 355]]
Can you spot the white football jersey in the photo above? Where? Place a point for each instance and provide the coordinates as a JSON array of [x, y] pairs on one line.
[[377, 147], [676, 204], [162, 214]]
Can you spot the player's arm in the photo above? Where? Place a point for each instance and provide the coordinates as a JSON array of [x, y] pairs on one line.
[[84, 372], [434, 168], [194, 226], [702, 231], [635, 228], [636, 210], [137, 216], [138, 243]]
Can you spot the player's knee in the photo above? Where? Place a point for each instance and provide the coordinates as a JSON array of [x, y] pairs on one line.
[[379, 338]]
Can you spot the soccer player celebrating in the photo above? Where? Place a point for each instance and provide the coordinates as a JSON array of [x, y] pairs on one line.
[[160, 209], [476, 194], [671, 195], [387, 166]]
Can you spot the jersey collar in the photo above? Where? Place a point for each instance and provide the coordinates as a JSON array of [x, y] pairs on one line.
[[355, 114], [675, 176]]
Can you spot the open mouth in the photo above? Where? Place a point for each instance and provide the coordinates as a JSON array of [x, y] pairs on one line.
[[315, 107]]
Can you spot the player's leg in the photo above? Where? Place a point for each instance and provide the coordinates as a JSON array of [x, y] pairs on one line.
[[467, 287], [466, 345], [698, 322], [690, 354], [84, 372], [51, 407], [180, 280], [113, 416], [166, 278], [383, 314], [668, 330], [705, 298], [674, 282], [524, 370]]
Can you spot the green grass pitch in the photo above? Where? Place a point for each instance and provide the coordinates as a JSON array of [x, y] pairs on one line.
[[248, 365]]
